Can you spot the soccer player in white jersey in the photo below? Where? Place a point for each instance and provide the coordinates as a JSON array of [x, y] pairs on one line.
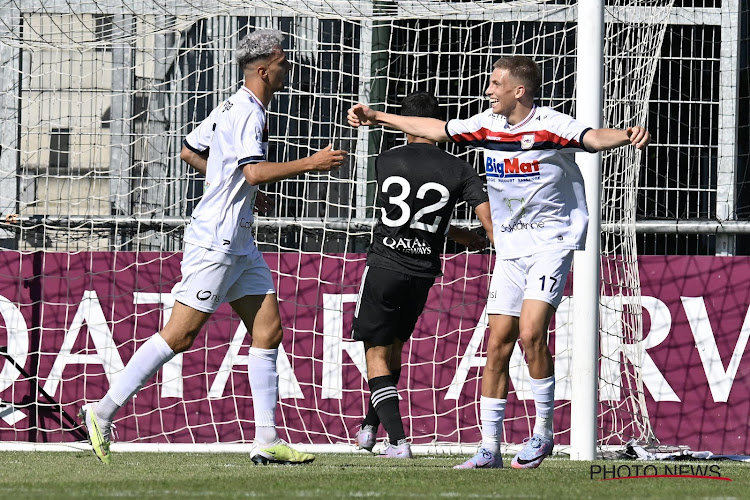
[[221, 262], [539, 217]]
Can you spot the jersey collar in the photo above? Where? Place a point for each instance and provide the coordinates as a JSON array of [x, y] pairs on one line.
[[525, 120], [254, 98]]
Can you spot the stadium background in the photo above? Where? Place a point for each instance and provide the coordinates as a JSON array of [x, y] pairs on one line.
[[90, 157]]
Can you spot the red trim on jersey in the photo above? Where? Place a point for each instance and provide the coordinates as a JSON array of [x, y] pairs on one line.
[[539, 136]]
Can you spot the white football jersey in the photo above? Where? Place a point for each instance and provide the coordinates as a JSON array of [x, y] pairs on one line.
[[535, 187], [237, 135]]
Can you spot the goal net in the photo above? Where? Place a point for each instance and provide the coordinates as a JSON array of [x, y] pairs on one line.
[[95, 99]]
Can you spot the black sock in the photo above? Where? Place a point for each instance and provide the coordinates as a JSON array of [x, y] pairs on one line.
[[385, 400], [372, 416]]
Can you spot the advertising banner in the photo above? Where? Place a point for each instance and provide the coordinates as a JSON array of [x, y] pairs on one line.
[[70, 323]]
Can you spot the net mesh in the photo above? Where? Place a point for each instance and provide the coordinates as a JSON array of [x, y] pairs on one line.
[[95, 100]]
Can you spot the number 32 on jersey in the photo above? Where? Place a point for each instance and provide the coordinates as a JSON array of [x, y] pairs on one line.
[[399, 198]]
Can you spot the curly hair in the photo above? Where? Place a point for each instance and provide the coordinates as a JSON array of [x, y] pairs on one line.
[[259, 44]]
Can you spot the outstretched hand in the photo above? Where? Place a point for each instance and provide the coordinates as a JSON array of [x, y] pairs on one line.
[[638, 136], [360, 115], [327, 159]]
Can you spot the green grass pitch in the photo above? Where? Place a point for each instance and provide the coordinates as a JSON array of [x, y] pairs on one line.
[[178, 475]]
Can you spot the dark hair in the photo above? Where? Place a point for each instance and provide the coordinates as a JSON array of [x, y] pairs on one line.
[[421, 104], [523, 69]]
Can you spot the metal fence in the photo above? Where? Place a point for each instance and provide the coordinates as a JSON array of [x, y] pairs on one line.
[[694, 188]]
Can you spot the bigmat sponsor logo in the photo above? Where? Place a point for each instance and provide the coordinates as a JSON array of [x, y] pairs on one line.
[[511, 168]]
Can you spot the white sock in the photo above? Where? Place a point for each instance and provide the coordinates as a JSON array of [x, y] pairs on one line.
[[544, 401], [142, 366], [106, 408], [492, 412], [264, 384]]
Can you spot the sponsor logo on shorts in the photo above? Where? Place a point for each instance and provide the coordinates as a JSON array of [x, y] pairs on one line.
[[520, 226], [413, 246], [246, 224], [204, 295]]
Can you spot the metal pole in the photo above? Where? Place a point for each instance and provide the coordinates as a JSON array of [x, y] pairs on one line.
[[10, 115], [364, 91], [155, 168], [120, 167], [586, 264], [728, 105]]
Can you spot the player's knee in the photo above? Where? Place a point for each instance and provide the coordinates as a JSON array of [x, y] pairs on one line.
[[268, 338], [500, 346], [276, 337], [533, 343], [181, 342], [179, 337]]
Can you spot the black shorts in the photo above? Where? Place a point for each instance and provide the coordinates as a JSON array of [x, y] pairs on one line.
[[389, 305]]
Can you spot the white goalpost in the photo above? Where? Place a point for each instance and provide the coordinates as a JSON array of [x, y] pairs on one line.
[[95, 99], [584, 365]]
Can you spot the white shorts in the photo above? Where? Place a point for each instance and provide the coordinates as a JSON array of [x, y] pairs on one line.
[[210, 278], [540, 276]]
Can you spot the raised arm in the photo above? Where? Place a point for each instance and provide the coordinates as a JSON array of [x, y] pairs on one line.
[[608, 138], [265, 172], [429, 128]]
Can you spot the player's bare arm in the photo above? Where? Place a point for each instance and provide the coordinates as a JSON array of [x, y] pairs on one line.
[[325, 160], [263, 203], [484, 214], [195, 160], [429, 128], [608, 138], [471, 240]]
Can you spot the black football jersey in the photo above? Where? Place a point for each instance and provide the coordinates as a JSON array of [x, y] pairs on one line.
[[419, 185]]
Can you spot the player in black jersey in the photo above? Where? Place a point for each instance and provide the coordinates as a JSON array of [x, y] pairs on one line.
[[419, 186]]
